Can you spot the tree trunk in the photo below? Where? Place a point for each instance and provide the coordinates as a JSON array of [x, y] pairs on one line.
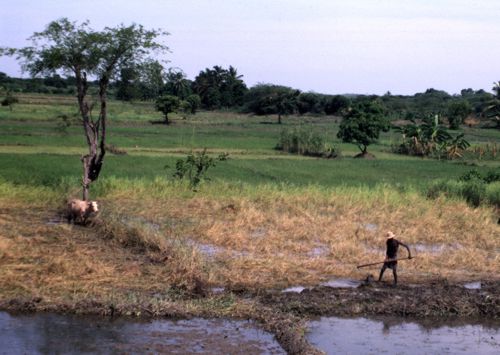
[[95, 131], [166, 119], [279, 118]]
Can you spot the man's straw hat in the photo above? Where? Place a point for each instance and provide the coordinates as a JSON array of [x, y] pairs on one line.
[[390, 235]]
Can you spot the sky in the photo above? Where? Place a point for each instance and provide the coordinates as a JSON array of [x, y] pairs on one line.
[[325, 46]]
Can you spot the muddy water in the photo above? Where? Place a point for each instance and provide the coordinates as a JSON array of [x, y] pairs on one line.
[[396, 336], [56, 334]]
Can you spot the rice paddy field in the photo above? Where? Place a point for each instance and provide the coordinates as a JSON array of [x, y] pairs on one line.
[[264, 219]]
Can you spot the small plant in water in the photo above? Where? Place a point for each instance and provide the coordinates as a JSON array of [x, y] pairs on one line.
[[195, 166]]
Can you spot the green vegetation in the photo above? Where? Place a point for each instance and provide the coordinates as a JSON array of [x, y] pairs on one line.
[[362, 125], [305, 141], [195, 167], [474, 187], [36, 150]]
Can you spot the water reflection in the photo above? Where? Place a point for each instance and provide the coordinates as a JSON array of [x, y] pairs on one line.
[[50, 333], [400, 336]]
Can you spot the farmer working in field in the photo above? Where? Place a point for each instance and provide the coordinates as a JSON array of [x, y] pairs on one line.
[[391, 255]]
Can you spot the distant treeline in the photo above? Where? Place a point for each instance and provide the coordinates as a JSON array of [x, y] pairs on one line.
[[220, 88]]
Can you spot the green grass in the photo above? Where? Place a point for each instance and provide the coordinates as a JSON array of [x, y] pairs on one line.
[[34, 151]]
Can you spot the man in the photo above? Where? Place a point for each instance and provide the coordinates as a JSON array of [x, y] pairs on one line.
[[391, 255]]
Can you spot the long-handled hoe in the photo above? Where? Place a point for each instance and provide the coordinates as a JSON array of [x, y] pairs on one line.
[[381, 262]]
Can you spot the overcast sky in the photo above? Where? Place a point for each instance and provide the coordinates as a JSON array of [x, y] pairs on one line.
[[327, 46]]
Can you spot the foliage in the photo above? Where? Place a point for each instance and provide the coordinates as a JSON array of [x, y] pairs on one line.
[[474, 187], [430, 139], [167, 104], [336, 105], [63, 124], [362, 125], [457, 111], [194, 102], [177, 84], [220, 88], [266, 99], [493, 109], [310, 102], [489, 177], [305, 141], [67, 48], [9, 100], [195, 166], [126, 85]]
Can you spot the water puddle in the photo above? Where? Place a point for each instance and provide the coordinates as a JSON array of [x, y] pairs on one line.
[[319, 251], [57, 334], [371, 227], [211, 250], [434, 248], [397, 336], [217, 290], [476, 285], [294, 289], [208, 249], [341, 283]]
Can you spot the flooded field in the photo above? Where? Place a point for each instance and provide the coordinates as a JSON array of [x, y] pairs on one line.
[[393, 335], [55, 334]]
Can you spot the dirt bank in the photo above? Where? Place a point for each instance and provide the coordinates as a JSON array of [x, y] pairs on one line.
[[435, 298]]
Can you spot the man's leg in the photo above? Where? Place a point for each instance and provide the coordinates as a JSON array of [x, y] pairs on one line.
[[394, 272], [382, 272]]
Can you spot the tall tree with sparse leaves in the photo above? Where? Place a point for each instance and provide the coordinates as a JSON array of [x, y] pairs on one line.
[[77, 50]]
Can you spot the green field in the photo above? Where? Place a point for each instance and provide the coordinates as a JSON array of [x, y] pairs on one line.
[[34, 149]]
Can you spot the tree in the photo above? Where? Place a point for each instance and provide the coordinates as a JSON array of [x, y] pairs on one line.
[[126, 85], [267, 99], [151, 79], [9, 100], [194, 103], [310, 102], [167, 104], [177, 84], [336, 105], [457, 112], [362, 125], [67, 48], [219, 87]]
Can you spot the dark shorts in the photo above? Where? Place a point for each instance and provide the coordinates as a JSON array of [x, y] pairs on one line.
[[391, 264]]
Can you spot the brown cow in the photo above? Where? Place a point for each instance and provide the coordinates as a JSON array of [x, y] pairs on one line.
[[79, 211]]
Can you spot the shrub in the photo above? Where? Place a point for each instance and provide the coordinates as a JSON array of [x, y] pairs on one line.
[[474, 192], [475, 188], [304, 141], [195, 166]]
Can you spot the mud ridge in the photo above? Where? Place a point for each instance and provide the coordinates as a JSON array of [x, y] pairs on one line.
[[436, 298]]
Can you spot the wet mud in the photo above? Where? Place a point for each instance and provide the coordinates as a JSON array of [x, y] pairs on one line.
[[438, 298]]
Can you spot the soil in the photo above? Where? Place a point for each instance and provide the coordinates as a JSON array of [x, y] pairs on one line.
[[435, 298]]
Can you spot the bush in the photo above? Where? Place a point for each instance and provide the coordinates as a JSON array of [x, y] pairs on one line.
[[474, 192], [473, 187], [305, 141], [195, 166]]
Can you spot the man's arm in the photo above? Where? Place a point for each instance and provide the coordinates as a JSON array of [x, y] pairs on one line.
[[406, 246]]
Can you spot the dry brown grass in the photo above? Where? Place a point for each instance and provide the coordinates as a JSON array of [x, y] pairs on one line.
[[146, 243], [281, 239]]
